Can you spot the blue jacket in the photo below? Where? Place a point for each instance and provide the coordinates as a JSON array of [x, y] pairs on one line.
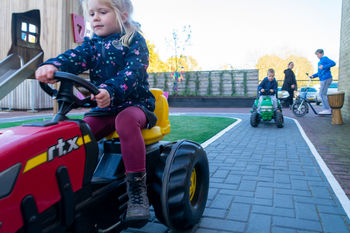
[[267, 85], [325, 73], [119, 69]]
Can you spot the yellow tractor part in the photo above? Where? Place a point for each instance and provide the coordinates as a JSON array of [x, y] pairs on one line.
[[162, 127]]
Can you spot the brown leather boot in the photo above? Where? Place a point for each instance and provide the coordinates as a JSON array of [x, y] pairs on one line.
[[138, 205]]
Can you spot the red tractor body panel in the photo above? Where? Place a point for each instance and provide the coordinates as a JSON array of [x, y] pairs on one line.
[[39, 151]]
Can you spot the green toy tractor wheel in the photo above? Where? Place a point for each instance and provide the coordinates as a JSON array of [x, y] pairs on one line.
[[254, 119], [180, 189], [279, 119]]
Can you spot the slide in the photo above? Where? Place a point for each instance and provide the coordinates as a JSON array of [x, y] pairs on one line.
[[13, 71]]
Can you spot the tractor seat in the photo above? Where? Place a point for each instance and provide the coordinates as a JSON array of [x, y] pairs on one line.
[[162, 127]]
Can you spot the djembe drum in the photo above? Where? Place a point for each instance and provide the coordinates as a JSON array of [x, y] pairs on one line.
[[336, 101]]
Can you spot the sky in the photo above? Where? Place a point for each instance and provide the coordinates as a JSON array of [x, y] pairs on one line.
[[237, 32]]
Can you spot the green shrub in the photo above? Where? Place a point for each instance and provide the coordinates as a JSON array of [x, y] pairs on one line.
[[196, 91], [155, 81], [233, 88], [245, 87], [221, 83], [165, 82], [210, 84], [187, 91]]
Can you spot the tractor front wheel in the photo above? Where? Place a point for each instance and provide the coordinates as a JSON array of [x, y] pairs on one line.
[[279, 119], [181, 184], [254, 119]]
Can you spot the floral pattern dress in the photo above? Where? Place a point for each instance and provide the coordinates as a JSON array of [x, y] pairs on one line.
[[121, 70]]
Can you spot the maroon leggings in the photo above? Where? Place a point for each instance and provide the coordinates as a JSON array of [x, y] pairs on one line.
[[128, 125]]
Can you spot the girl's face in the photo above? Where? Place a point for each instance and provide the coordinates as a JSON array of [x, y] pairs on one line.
[[102, 18]]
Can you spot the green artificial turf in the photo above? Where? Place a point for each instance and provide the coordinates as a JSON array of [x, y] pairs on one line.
[[195, 128], [198, 129], [18, 123]]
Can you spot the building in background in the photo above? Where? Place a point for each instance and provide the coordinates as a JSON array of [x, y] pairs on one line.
[[28, 27], [344, 59]]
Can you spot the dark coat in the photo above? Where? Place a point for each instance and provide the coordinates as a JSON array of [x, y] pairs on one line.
[[119, 69], [289, 80]]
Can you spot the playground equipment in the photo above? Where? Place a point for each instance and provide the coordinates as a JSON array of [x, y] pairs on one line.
[[25, 53]]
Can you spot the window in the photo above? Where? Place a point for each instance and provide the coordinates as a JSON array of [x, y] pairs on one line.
[[29, 32]]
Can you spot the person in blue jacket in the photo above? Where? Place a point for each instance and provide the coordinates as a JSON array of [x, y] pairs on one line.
[[117, 58], [325, 75], [268, 86]]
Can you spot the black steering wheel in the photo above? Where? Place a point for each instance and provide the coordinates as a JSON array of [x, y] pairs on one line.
[[65, 95]]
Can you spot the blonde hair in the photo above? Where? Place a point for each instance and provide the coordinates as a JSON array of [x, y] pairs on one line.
[[129, 27]]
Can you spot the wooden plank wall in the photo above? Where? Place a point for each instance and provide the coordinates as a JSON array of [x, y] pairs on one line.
[[56, 25]]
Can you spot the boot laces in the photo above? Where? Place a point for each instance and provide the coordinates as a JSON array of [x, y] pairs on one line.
[[137, 189]]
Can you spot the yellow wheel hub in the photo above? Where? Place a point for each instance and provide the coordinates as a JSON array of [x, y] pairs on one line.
[[193, 184]]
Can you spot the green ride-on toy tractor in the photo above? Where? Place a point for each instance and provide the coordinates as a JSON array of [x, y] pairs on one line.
[[55, 177], [266, 112]]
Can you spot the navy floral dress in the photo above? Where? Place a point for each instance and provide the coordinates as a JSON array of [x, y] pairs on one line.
[[121, 70]]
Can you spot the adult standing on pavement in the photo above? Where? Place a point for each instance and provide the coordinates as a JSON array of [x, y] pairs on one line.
[[289, 83], [325, 75]]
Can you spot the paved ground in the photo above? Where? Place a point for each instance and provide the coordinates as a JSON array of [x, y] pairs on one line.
[[266, 179], [331, 141]]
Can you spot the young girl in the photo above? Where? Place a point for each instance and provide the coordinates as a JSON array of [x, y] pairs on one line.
[[117, 57]]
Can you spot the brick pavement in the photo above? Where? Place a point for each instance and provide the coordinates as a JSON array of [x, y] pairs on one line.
[[332, 143], [266, 179]]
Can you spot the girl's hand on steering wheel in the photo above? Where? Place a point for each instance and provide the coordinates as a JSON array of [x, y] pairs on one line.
[[103, 98], [45, 74]]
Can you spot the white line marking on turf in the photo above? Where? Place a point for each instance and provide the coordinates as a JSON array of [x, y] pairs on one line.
[[339, 192], [222, 132]]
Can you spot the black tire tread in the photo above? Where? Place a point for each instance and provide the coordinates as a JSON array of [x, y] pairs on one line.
[[178, 176]]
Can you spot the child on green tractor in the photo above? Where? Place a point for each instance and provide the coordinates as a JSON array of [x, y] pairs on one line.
[[267, 107], [268, 87]]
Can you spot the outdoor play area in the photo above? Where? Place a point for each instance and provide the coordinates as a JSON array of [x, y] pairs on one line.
[[117, 138]]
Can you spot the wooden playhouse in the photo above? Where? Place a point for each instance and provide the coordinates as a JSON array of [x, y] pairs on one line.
[[29, 27]]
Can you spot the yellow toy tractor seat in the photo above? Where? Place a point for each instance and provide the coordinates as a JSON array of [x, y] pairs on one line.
[[162, 127]]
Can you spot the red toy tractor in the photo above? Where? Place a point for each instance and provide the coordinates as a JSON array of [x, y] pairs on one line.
[[55, 177]]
